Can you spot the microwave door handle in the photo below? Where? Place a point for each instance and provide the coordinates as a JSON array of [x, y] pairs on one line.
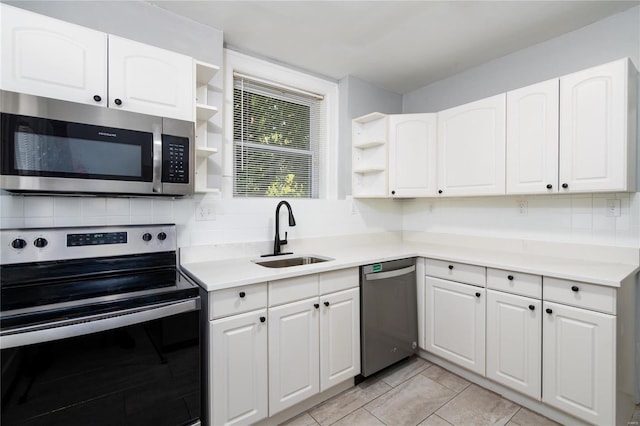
[[157, 158]]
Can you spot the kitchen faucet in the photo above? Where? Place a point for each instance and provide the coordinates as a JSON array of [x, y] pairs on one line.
[[277, 243]]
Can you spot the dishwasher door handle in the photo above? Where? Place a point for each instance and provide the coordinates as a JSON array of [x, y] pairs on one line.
[[389, 274]]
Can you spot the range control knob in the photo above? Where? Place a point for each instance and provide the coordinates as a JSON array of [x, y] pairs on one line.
[[18, 243], [40, 242], [147, 236], [162, 236]]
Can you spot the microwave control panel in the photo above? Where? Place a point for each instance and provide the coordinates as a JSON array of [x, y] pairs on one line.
[[175, 159]]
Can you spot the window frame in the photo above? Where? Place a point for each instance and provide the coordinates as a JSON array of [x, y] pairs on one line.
[[238, 62]]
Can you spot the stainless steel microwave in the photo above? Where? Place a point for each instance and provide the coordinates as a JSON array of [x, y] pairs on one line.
[[52, 146]]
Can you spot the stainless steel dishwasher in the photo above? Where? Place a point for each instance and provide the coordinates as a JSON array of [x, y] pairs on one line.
[[389, 319]]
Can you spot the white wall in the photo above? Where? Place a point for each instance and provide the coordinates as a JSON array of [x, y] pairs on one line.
[[609, 39], [573, 218]]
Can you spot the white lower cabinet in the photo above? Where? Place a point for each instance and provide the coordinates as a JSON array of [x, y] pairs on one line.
[[513, 341], [565, 343], [455, 322], [314, 344], [238, 373], [339, 337], [273, 345], [293, 353], [579, 362]]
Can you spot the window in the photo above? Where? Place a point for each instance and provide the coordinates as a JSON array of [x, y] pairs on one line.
[[276, 139]]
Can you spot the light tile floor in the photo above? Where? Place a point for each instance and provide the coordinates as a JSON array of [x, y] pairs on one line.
[[417, 392]]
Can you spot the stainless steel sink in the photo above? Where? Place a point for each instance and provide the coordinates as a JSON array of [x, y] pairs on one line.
[[292, 261]]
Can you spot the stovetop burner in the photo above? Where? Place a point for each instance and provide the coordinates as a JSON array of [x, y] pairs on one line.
[[64, 273]]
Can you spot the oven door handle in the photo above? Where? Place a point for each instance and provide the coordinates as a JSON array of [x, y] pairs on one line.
[[93, 324]]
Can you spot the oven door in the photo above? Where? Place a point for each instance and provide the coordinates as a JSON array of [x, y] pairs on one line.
[[134, 367]]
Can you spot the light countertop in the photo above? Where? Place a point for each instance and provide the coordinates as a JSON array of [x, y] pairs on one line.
[[237, 271]]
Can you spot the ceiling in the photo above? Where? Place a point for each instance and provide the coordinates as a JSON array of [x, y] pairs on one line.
[[396, 45]]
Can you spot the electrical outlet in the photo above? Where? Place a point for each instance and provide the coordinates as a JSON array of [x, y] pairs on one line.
[[205, 212], [613, 208], [523, 207]]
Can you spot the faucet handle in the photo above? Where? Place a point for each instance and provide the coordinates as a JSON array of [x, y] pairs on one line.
[[283, 242]]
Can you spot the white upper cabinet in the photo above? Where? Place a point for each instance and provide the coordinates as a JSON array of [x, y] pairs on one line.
[[47, 57], [532, 139], [412, 155], [597, 129], [471, 148], [150, 80]]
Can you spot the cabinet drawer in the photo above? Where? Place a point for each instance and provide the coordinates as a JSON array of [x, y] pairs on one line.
[[342, 279], [292, 289], [460, 272], [579, 294], [231, 301], [515, 282]]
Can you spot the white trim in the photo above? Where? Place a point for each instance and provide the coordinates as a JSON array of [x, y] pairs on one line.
[[238, 62]]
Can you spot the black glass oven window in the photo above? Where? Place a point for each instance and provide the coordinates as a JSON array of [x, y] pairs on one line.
[[145, 374]]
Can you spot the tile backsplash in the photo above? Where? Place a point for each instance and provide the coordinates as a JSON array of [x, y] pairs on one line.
[[579, 218], [232, 220]]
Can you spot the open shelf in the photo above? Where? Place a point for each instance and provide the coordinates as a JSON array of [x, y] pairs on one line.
[[370, 144], [205, 72], [205, 112], [205, 151]]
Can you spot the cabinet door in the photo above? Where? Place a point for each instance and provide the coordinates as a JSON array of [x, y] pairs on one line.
[[238, 374], [471, 148], [412, 155], [455, 323], [293, 353], [46, 57], [150, 80], [514, 342], [339, 337], [578, 359], [532, 139], [594, 138]]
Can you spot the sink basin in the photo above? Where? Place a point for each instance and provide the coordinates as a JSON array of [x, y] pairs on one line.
[[292, 261]]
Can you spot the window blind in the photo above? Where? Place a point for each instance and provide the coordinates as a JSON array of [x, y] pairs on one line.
[[277, 134]]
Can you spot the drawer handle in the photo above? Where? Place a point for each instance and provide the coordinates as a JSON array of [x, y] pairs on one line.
[[549, 186], [262, 319], [510, 277], [242, 294], [97, 98], [531, 307], [478, 294], [118, 102], [450, 267], [316, 305], [548, 310], [575, 288], [326, 303]]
